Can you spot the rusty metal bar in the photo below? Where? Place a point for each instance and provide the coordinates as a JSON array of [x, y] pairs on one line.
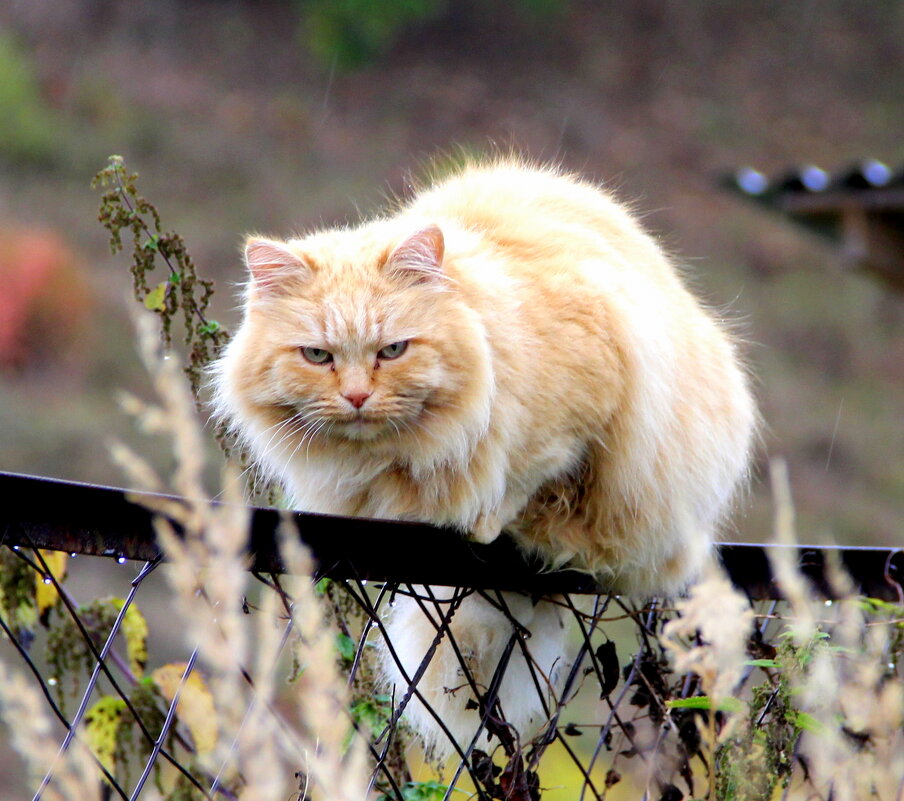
[[103, 521]]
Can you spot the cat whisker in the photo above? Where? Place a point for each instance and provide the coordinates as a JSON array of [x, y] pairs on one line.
[[323, 424], [299, 444], [310, 434], [274, 431], [285, 430], [309, 429], [289, 421], [412, 424]]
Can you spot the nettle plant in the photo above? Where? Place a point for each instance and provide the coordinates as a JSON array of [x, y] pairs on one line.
[[123, 210]]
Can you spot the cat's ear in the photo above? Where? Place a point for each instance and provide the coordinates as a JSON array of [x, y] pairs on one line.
[[420, 256], [271, 263]]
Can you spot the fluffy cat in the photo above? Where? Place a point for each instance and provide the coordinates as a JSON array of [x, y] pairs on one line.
[[509, 350]]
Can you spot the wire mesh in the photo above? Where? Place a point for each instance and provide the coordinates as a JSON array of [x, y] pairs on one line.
[[617, 721]]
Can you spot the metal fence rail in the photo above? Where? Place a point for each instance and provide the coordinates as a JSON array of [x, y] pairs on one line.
[[103, 521]]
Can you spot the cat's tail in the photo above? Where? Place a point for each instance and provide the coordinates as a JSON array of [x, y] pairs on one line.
[[470, 665]]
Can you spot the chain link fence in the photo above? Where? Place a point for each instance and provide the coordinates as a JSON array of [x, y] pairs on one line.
[[635, 710]]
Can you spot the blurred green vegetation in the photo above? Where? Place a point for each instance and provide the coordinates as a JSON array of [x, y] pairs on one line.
[[355, 33], [29, 128]]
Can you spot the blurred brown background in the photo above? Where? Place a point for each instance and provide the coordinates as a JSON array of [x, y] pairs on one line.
[[279, 116]]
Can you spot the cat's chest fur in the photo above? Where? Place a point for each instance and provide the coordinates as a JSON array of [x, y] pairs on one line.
[[479, 491]]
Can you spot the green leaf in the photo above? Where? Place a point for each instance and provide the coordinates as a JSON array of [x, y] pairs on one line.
[[346, 647], [807, 722], [195, 707], [697, 702], [425, 791], [175, 278], [135, 630], [151, 244], [155, 300], [817, 635], [101, 723], [422, 791], [770, 663], [878, 605], [371, 713], [210, 327], [729, 704]]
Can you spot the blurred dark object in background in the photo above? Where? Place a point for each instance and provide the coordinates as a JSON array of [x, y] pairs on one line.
[[859, 209]]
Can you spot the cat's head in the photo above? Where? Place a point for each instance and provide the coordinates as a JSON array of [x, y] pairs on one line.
[[353, 336]]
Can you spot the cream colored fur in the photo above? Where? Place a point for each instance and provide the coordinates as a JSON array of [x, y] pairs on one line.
[[560, 383]]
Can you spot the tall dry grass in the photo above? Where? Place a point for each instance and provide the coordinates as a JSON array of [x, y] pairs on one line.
[[828, 722], [261, 750]]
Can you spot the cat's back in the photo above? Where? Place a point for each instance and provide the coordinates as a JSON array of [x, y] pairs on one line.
[[538, 209]]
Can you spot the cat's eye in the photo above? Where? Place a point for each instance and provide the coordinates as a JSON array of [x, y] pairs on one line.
[[317, 355], [394, 350]]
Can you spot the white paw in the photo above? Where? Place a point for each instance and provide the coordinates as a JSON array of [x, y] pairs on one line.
[[486, 529]]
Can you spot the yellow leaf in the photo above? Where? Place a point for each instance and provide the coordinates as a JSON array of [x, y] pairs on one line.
[[45, 593], [155, 300], [195, 707], [101, 723], [135, 630]]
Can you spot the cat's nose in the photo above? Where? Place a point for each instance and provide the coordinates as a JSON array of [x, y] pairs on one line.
[[356, 399]]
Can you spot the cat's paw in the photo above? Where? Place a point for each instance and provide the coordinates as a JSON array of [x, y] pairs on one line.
[[486, 529]]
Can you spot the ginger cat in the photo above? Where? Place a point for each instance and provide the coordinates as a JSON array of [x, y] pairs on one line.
[[511, 351]]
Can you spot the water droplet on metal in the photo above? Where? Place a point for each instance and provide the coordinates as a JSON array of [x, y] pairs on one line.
[[121, 560], [47, 580], [52, 681]]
